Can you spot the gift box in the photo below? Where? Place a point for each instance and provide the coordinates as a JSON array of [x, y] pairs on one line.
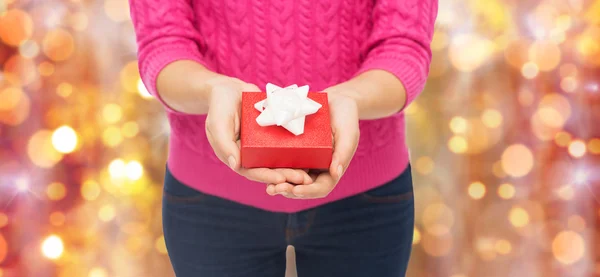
[[283, 145]]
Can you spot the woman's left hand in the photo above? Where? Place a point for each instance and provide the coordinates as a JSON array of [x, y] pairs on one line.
[[344, 126]]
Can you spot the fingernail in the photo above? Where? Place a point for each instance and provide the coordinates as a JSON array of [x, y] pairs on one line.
[[231, 161], [340, 171]]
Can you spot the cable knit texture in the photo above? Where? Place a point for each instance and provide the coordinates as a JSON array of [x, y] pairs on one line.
[[318, 43]]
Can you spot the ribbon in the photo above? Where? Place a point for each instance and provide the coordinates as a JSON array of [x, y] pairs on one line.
[[287, 107]]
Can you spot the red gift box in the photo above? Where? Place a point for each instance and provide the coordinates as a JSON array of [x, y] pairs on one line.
[[276, 147]]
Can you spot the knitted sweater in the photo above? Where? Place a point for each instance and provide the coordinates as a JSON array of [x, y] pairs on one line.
[[306, 42]]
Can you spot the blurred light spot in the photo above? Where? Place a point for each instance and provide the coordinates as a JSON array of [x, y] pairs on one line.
[[581, 177], [486, 248], [516, 53], [56, 191], [79, 21], [577, 148], [557, 36], [106, 213], [112, 113], [565, 192], [58, 45], [413, 108], [11, 96], [438, 219], [41, 151], [530, 70], [506, 191], [3, 220], [436, 246], [46, 68], [568, 84], [3, 248], [564, 22], [64, 89], [57, 218], [112, 136], [15, 27], [491, 118], [143, 91], [576, 223], [160, 245], [130, 76], [90, 190], [518, 217], [477, 190], [517, 160], [130, 129], [416, 236], [503, 247], [458, 125], [29, 49], [458, 144], [554, 110], [468, 51], [551, 117], [562, 139], [20, 71], [594, 146], [568, 247], [134, 170], [440, 40], [117, 10], [52, 247], [116, 169], [545, 54], [424, 165], [22, 184], [64, 139]]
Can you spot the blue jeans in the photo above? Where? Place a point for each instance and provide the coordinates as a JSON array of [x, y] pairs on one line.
[[367, 235]]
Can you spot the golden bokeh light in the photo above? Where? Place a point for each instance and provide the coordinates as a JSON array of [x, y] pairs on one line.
[[565, 192], [117, 10], [112, 136], [436, 246], [143, 91], [486, 248], [477, 190], [594, 146], [58, 45], [568, 247], [112, 113], [64, 89], [98, 272], [3, 219], [458, 125], [439, 41], [424, 165], [16, 26], [515, 53], [29, 49], [458, 144], [117, 169], [57, 218], [90, 190], [20, 71], [160, 245], [518, 217], [503, 247], [46, 68], [64, 139], [107, 213], [79, 21], [562, 139], [469, 51], [497, 170], [577, 148], [530, 70], [438, 219], [134, 170], [130, 76], [545, 54], [41, 151], [11, 96], [554, 110], [52, 247], [517, 160], [56, 191], [416, 236], [568, 84], [506, 191], [130, 129], [491, 118]]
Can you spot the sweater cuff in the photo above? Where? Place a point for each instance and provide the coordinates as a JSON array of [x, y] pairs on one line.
[[155, 61], [411, 74]]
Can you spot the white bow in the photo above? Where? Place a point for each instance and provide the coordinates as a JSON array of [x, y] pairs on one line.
[[287, 107]]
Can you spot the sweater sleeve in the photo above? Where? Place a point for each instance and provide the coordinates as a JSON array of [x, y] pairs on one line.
[[400, 42], [165, 33]]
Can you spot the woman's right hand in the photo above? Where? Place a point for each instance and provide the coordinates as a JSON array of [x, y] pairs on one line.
[[223, 132]]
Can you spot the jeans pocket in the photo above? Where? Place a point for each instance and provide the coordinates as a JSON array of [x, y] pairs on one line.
[[176, 192], [393, 191]]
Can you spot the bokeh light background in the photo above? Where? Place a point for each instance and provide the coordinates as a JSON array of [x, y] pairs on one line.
[[505, 142]]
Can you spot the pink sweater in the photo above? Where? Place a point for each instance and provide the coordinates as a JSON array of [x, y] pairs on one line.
[[318, 43]]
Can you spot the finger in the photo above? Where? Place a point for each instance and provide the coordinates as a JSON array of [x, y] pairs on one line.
[[271, 189], [263, 175], [322, 186], [294, 176], [251, 88], [346, 135], [220, 127], [284, 189]]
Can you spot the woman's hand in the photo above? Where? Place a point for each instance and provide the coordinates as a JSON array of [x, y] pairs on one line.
[[223, 132], [344, 125]]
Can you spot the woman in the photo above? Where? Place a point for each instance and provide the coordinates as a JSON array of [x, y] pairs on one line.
[[371, 57]]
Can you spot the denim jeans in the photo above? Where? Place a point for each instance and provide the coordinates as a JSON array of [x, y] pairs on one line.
[[366, 235]]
